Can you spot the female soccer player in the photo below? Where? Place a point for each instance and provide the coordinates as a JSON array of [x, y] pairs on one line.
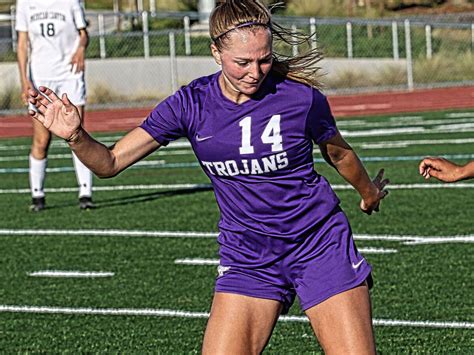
[[282, 233], [52, 39]]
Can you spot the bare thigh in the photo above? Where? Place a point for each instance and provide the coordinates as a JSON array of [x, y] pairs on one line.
[[239, 324], [343, 323]]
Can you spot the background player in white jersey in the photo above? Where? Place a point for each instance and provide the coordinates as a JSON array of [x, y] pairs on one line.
[[52, 32]]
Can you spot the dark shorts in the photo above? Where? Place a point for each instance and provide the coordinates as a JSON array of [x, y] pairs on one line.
[[323, 264]]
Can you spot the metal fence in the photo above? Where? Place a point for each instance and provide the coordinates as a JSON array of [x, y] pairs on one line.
[[135, 58]]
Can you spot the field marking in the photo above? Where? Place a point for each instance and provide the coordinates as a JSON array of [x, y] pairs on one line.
[[415, 239], [171, 151], [466, 127], [436, 240], [459, 185], [366, 146], [190, 314], [104, 140], [370, 250], [196, 261], [460, 114], [72, 274], [161, 164], [201, 261], [408, 143], [107, 233], [405, 122], [67, 156], [405, 239]]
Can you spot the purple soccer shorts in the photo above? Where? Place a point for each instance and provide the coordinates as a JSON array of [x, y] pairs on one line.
[[322, 264]]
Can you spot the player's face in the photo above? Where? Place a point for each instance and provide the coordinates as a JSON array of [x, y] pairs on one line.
[[246, 59]]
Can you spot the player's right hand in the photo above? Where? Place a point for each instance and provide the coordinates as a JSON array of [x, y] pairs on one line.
[[58, 115], [372, 204], [439, 168]]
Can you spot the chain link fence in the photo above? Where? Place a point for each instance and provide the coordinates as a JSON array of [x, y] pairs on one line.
[[135, 59]]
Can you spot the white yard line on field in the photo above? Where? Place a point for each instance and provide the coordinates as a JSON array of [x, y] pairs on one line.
[[104, 140], [67, 156], [459, 185], [72, 274], [413, 239], [201, 261], [408, 143], [460, 114], [190, 314], [468, 127], [402, 123], [107, 233]]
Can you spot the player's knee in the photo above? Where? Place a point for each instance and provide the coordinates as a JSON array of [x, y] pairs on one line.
[[39, 148]]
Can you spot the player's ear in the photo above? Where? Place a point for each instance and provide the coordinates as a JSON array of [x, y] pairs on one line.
[[216, 54]]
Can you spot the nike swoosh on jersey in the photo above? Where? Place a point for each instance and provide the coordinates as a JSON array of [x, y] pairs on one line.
[[202, 139], [355, 266]]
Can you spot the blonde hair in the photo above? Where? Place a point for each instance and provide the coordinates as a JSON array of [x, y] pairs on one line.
[[230, 15]]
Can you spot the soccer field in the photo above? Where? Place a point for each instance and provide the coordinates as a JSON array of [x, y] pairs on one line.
[[136, 274]]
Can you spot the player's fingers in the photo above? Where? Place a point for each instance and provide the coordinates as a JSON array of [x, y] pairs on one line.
[[36, 115], [37, 104], [49, 93], [384, 183], [43, 100], [67, 103], [379, 175], [32, 93], [427, 173]]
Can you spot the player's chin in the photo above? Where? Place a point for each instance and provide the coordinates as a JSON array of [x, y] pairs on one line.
[[249, 89]]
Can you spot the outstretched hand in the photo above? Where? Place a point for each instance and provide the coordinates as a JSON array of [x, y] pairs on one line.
[[439, 168], [58, 115], [369, 205]]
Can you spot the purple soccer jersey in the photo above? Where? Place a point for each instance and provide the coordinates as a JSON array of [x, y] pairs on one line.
[[258, 156], [282, 232]]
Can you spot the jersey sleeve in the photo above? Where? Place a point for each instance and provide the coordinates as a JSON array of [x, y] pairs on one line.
[[321, 124], [78, 15], [165, 122], [21, 18]]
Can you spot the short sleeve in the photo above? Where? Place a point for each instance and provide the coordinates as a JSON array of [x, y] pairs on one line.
[[78, 15], [320, 123], [21, 18], [164, 123]]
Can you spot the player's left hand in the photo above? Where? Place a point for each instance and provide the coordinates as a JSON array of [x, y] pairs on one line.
[[78, 61], [372, 204]]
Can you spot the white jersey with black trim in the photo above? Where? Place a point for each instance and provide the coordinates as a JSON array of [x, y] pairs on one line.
[[53, 31]]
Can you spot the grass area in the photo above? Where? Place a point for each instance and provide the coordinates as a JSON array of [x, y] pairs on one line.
[[430, 282]]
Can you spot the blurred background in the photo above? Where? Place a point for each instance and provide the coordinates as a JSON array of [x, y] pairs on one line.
[[142, 50]]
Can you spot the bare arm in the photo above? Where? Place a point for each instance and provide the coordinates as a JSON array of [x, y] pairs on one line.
[[338, 153], [22, 58], [62, 118], [108, 162], [445, 170], [78, 58]]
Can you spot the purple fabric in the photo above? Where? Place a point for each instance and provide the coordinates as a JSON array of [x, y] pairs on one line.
[[321, 265], [268, 198]]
